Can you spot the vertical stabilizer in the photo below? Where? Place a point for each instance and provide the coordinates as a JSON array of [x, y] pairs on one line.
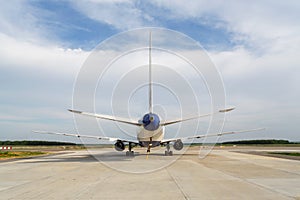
[[150, 75]]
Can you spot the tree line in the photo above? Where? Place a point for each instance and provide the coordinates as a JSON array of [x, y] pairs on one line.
[[273, 141], [35, 143]]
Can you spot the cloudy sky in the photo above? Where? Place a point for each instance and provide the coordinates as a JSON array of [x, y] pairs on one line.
[[43, 45]]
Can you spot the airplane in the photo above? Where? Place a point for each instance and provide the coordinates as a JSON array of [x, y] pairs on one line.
[[151, 129]]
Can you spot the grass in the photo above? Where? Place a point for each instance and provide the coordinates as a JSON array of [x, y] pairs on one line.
[[286, 153], [263, 145], [19, 154]]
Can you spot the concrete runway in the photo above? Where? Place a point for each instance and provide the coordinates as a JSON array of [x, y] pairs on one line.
[[223, 174]]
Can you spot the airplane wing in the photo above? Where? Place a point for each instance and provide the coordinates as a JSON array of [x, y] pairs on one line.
[[195, 117], [210, 135], [111, 139], [107, 117]]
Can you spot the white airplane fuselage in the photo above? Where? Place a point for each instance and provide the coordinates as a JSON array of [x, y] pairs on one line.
[[150, 132], [146, 137]]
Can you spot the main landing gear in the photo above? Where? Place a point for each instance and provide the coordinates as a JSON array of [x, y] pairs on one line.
[[168, 152], [129, 152]]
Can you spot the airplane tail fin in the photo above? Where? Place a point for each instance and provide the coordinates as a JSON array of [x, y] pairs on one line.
[[150, 75]]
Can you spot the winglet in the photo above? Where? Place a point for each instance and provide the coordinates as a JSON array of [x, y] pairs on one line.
[[75, 111], [227, 110]]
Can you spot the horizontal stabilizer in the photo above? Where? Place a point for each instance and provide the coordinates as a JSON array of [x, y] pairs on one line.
[[195, 117], [107, 117]]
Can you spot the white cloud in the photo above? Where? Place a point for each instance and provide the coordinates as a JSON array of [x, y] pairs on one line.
[[120, 14], [28, 113], [22, 21], [256, 22], [39, 87], [260, 74], [21, 54]]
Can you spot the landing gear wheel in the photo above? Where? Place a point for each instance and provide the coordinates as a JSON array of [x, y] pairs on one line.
[[168, 152], [129, 152]]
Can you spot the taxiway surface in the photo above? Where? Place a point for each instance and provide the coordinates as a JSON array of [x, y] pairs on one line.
[[223, 174]]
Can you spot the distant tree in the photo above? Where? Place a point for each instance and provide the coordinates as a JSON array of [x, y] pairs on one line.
[[258, 142]]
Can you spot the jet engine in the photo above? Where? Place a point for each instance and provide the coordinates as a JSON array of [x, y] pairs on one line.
[[119, 146], [178, 145]]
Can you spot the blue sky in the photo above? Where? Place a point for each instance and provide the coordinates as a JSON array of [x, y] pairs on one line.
[[74, 29], [44, 44]]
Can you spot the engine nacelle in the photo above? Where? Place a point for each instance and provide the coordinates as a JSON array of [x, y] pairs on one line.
[[119, 146], [178, 145]]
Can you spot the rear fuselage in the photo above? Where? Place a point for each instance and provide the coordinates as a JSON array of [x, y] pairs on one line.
[[151, 132]]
